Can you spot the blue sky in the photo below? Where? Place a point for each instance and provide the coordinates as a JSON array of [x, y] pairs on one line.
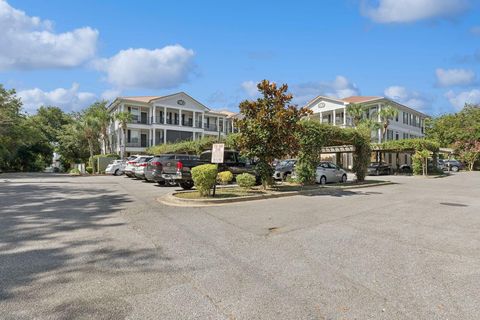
[[423, 53]]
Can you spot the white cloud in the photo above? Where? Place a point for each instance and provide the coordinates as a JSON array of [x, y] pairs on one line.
[[340, 87], [404, 96], [68, 99], [401, 11], [110, 94], [250, 88], [454, 77], [162, 68], [475, 30], [29, 42], [458, 100]]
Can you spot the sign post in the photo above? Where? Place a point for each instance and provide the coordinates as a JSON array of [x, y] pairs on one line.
[[218, 150]]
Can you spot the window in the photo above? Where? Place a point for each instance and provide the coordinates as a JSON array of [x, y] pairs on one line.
[[229, 157], [397, 136], [405, 118], [396, 116], [405, 135]]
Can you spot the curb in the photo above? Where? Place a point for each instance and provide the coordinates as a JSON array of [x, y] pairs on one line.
[[171, 200]]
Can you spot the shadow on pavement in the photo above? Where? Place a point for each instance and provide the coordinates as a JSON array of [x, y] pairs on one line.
[[42, 244]]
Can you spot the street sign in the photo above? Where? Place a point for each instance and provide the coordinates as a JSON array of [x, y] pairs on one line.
[[217, 152]]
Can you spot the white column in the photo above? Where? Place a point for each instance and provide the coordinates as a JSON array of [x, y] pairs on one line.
[[334, 118], [344, 116], [153, 138], [164, 115], [321, 117], [164, 136], [203, 119], [194, 120], [180, 117], [218, 123], [379, 119]]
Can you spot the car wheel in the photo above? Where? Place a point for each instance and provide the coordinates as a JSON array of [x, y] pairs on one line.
[[344, 178], [454, 168], [323, 180], [116, 173], [161, 183], [186, 185]]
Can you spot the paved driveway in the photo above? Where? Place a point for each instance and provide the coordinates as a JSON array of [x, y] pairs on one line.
[[102, 248]]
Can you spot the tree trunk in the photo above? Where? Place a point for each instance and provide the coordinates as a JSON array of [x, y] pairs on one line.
[[124, 144], [90, 148]]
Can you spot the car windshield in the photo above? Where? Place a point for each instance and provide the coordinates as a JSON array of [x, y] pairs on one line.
[[285, 163]]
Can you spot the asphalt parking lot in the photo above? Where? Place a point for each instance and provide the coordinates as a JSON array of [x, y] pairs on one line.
[[103, 248]]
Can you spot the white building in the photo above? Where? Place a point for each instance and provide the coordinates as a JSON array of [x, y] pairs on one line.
[[409, 123], [165, 119]]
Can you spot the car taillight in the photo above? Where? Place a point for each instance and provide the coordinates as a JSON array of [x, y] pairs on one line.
[[179, 165], [144, 164], [130, 162]]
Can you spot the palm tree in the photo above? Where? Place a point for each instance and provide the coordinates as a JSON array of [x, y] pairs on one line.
[[386, 114], [123, 118], [88, 127], [100, 112], [356, 111]]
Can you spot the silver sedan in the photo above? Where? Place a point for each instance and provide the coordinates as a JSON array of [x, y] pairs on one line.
[[330, 172]]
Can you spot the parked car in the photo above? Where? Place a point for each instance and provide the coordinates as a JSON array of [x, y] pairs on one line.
[[179, 170], [453, 165], [117, 167], [329, 172], [154, 169], [140, 166], [405, 168], [284, 169], [131, 165], [378, 168]]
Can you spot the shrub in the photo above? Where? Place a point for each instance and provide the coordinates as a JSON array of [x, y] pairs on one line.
[[204, 177], [74, 171], [246, 180], [224, 177], [89, 170], [305, 172]]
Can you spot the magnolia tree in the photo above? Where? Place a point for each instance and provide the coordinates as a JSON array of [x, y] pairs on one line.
[[469, 152], [267, 127]]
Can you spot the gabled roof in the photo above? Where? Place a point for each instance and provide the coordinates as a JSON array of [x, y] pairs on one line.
[[144, 99], [361, 99], [323, 98], [179, 93]]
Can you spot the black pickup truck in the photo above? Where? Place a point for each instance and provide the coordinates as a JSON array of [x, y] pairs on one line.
[[179, 170]]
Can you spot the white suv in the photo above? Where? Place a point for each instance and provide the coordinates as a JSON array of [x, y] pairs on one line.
[[130, 167]]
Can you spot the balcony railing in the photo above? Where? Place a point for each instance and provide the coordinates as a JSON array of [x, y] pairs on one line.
[[137, 144], [174, 122], [140, 121], [157, 120], [211, 127]]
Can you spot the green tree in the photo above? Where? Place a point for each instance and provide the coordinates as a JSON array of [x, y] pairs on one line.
[[123, 118], [267, 127], [386, 114], [357, 112], [50, 120], [89, 129], [103, 118], [450, 128], [72, 145], [22, 145]]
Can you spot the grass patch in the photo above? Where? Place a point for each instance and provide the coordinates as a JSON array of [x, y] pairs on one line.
[[221, 193]]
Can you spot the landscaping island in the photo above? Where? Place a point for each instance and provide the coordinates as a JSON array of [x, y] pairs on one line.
[[233, 193]]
